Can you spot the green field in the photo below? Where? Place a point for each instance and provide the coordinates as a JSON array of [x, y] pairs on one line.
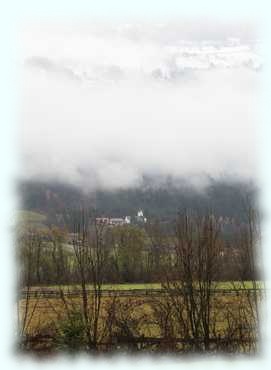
[[128, 286], [32, 220]]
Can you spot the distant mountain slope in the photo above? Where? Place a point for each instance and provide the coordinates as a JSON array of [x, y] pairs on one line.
[[223, 198]]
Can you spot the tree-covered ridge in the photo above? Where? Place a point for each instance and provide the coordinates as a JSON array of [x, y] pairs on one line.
[[163, 201]]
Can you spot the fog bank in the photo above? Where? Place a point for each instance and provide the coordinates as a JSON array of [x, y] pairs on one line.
[[104, 105]]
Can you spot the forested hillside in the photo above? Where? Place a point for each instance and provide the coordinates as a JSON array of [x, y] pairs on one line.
[[163, 201]]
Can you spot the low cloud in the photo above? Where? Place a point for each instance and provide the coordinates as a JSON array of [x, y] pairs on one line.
[[101, 110]]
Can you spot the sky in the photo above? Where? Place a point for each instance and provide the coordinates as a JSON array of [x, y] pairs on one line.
[[103, 104]]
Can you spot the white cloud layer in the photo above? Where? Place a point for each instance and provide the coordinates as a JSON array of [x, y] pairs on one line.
[[102, 105]]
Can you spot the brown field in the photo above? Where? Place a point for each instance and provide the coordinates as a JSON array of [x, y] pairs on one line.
[[44, 314]]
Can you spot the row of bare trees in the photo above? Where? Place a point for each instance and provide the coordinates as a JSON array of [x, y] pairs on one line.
[[195, 309], [188, 316]]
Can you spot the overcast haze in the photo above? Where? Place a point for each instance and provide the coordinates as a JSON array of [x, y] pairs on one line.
[[104, 104]]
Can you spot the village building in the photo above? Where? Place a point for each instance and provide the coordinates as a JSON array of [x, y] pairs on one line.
[[140, 217], [113, 221]]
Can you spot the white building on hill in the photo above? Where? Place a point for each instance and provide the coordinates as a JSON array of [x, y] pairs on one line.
[[113, 221], [140, 216]]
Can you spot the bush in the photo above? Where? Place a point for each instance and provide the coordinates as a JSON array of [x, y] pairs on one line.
[[71, 333]]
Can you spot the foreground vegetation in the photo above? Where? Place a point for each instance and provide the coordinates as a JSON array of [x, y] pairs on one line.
[[190, 260], [127, 323]]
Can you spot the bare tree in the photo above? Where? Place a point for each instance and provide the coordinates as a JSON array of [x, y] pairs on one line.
[[192, 277], [91, 259], [247, 258], [28, 251]]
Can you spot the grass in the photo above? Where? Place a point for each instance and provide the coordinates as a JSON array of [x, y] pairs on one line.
[[131, 286], [31, 220], [124, 286], [30, 216], [48, 311]]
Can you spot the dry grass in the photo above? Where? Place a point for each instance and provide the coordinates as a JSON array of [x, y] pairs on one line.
[[45, 313]]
